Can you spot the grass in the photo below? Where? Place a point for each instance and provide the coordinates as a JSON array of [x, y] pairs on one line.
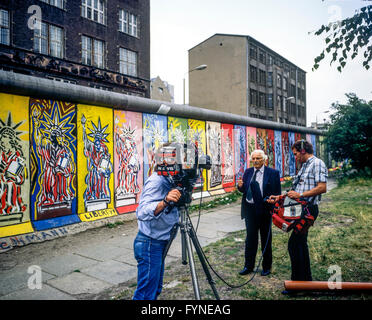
[[341, 236]]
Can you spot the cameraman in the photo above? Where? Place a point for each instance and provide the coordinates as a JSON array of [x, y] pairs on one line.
[[155, 222]]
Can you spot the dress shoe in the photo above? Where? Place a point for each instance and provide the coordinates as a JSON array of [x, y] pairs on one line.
[[245, 271], [265, 273]]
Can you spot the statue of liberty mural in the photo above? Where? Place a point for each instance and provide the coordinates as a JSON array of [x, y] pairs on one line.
[[57, 165], [97, 193], [12, 172], [129, 164]]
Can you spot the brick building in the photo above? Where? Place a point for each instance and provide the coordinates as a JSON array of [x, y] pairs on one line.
[[97, 43]]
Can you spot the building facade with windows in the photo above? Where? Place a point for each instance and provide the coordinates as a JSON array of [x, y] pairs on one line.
[[103, 44], [247, 78]]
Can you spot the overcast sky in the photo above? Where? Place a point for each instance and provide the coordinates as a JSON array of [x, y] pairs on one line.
[[282, 25]]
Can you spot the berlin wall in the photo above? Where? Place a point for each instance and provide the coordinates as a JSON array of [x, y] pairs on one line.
[[71, 156]]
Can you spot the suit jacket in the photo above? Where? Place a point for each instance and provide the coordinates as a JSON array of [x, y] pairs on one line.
[[270, 185]]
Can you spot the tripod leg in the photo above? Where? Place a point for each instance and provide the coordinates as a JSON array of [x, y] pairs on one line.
[[183, 236], [173, 235], [192, 268], [199, 252]]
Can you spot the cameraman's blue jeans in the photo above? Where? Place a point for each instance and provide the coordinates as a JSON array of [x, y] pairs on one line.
[[150, 266]]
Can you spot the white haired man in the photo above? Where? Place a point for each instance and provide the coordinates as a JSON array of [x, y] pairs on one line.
[[258, 182]]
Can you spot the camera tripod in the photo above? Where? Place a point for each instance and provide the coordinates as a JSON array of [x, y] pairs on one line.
[[188, 237]]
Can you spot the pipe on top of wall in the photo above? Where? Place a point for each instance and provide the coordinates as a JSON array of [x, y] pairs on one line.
[[25, 85]]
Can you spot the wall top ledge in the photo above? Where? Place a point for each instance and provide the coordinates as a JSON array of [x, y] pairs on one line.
[[37, 87]]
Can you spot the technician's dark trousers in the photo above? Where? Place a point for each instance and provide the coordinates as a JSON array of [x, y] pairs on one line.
[[299, 253], [257, 221]]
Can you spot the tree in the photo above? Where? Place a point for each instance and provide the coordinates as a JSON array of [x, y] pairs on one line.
[[346, 37], [349, 134]]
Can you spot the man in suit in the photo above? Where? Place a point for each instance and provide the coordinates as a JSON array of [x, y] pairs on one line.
[[258, 182]]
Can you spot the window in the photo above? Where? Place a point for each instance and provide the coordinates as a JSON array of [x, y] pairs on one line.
[[92, 52], [262, 56], [253, 74], [56, 3], [270, 101], [269, 79], [128, 62], [262, 77], [253, 96], [49, 40], [128, 23], [4, 27], [253, 52], [262, 100], [93, 10]]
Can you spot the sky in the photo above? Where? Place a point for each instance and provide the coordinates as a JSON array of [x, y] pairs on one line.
[[285, 26]]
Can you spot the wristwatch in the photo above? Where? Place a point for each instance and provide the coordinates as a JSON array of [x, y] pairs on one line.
[[301, 195]]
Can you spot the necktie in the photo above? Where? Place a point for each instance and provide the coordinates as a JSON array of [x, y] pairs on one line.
[[250, 191]]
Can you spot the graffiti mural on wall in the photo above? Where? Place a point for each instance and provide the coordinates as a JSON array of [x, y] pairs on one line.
[[261, 139], [270, 148], [240, 141], [285, 154], [177, 130], [196, 135], [14, 160], [313, 142], [95, 153], [292, 160], [227, 156], [154, 135], [251, 143], [127, 159], [278, 152], [214, 151], [63, 163], [53, 159]]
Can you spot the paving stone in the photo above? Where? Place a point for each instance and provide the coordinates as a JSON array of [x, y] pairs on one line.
[[78, 283]]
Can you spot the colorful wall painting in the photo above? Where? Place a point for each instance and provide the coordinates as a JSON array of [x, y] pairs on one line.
[[177, 129], [313, 142], [292, 160], [214, 150], [196, 134], [53, 163], [95, 158], [128, 160], [251, 143], [261, 139], [240, 142], [228, 152], [155, 134], [270, 148], [285, 154], [14, 166], [278, 151]]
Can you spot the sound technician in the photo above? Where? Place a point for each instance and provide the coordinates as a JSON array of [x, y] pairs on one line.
[[155, 222], [309, 184]]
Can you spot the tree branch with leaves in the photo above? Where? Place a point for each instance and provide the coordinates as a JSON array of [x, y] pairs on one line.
[[345, 38]]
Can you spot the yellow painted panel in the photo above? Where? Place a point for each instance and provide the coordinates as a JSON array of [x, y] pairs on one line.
[[95, 158], [96, 215], [16, 229], [14, 156]]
